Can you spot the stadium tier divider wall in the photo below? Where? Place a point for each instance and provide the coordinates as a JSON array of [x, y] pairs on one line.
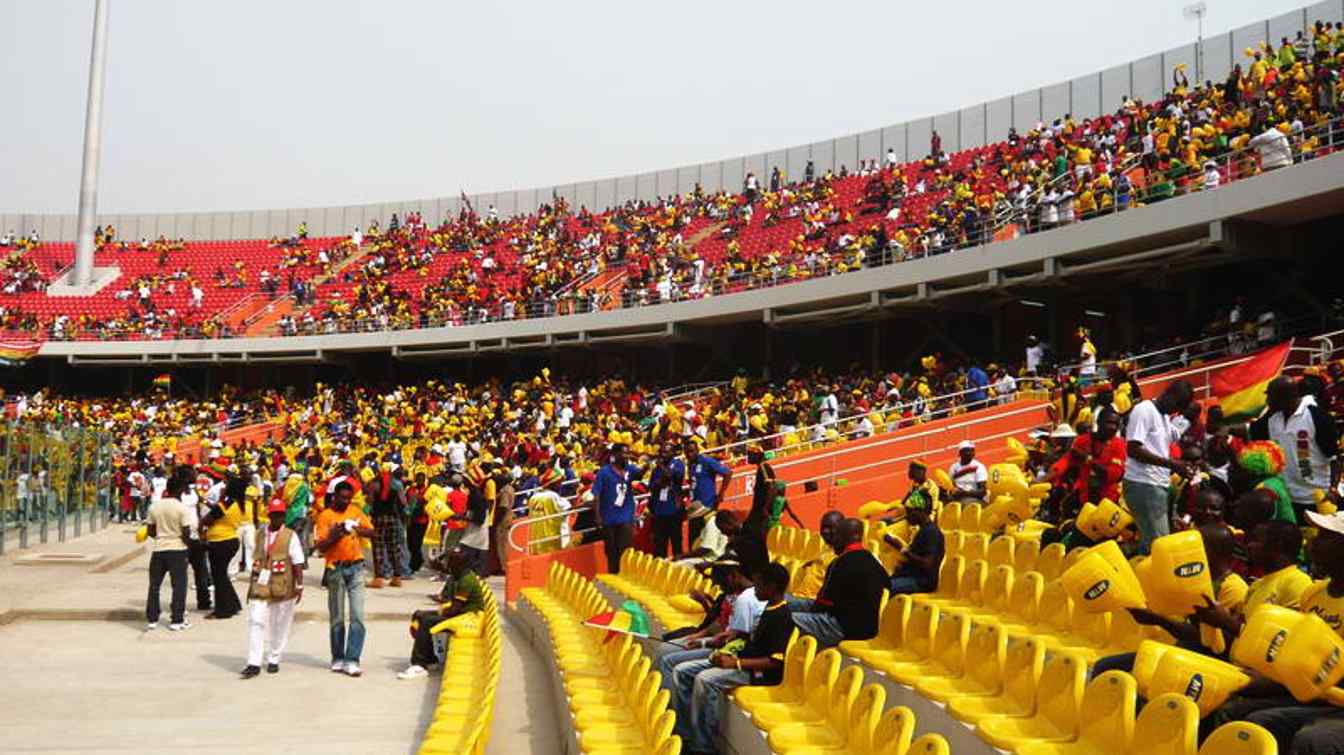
[[1086, 96]]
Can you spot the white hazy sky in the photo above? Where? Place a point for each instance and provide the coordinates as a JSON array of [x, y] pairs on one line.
[[253, 104]]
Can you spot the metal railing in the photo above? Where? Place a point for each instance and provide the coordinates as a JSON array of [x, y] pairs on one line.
[[54, 481]]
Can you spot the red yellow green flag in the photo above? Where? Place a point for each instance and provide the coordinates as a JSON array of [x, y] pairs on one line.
[[1240, 388], [14, 352]]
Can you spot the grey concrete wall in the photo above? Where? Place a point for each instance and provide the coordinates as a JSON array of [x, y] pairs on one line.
[[1086, 96]]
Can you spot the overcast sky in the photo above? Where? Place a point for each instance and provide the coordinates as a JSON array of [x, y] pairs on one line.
[[253, 104]]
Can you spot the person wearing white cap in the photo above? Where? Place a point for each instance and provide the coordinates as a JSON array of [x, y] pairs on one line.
[[968, 474]]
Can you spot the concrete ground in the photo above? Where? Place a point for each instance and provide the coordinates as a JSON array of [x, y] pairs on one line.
[[81, 674]]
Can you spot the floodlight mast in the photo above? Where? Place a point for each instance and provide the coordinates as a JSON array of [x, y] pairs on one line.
[[1197, 11], [82, 274]]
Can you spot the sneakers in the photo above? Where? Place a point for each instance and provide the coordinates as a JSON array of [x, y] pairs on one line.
[[413, 671], [338, 667], [375, 583], [179, 627], [272, 668], [396, 582], [250, 672], [151, 626], [353, 669]]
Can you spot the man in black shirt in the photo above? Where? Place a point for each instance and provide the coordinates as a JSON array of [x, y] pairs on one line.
[[746, 544], [759, 661], [847, 605], [923, 557]]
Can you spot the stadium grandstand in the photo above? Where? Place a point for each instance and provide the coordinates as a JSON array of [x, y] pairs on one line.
[[1012, 429]]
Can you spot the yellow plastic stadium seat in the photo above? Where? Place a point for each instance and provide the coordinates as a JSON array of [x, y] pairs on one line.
[[949, 518], [1059, 695], [893, 733], [890, 632], [773, 539], [949, 582], [970, 518], [622, 713], [1050, 562], [1024, 602], [1025, 554], [849, 725], [947, 653], [820, 708], [930, 744], [1168, 725], [917, 640], [1001, 551], [1239, 738], [1023, 665], [792, 688], [821, 676], [985, 653], [1072, 556], [976, 546], [996, 593], [1106, 719], [952, 542]]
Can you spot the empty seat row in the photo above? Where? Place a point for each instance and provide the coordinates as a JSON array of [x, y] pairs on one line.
[[466, 703]]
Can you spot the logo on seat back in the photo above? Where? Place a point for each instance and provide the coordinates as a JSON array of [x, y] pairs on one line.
[[1097, 590], [1275, 644], [1331, 661], [1195, 687], [1192, 569]]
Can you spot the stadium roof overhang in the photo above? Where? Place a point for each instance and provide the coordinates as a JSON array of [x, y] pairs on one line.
[[1239, 220]]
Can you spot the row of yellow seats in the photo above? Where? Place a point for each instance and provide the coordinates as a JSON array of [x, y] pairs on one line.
[[1020, 700], [795, 543], [466, 704], [1025, 604], [817, 707], [613, 694], [661, 586]]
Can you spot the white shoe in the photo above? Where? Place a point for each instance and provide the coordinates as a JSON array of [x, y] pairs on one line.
[[353, 669], [151, 626], [338, 667], [413, 671], [179, 627]]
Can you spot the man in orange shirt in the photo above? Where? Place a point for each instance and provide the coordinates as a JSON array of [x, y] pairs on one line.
[[339, 528]]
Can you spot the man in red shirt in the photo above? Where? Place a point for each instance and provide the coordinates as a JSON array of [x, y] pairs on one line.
[[1092, 468]]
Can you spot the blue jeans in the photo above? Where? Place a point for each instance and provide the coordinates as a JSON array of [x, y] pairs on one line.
[[1148, 504], [823, 626], [698, 697], [346, 582], [669, 662], [909, 585]]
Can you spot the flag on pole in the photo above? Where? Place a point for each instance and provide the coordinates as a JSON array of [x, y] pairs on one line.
[[1240, 388], [164, 381], [628, 619]]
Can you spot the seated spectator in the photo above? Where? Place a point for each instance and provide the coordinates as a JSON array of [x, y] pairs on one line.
[[923, 556], [710, 544], [968, 474], [846, 606], [464, 594], [812, 573], [756, 662], [736, 616]]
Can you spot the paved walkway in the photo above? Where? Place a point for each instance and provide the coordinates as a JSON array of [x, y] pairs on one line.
[[81, 674]]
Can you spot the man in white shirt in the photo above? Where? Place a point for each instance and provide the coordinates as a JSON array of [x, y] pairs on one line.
[[1150, 436], [968, 474], [168, 527], [1308, 438], [1035, 353], [1275, 151]]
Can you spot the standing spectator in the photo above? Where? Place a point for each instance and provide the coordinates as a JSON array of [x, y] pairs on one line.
[[1150, 437], [339, 528], [418, 521], [1274, 148], [935, 144], [220, 523], [388, 498], [614, 499], [171, 533], [702, 474], [977, 382], [275, 591], [1308, 437], [1035, 355], [667, 496]]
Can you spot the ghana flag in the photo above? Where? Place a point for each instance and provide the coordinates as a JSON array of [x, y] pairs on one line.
[[13, 352], [1240, 388], [628, 619], [164, 381]]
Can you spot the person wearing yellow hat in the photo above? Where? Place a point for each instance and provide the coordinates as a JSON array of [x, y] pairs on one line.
[[274, 592]]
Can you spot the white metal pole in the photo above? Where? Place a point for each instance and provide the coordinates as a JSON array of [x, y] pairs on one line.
[[88, 177]]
